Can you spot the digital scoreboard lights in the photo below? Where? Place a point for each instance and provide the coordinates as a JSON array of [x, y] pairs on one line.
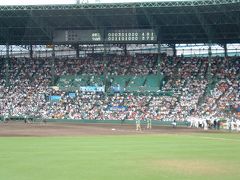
[[131, 35], [111, 36], [82, 36], [96, 37]]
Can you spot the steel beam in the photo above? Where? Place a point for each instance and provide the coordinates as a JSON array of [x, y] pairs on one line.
[[45, 27], [119, 5]]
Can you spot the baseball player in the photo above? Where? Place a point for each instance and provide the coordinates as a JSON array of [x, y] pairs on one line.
[[138, 123], [149, 122]]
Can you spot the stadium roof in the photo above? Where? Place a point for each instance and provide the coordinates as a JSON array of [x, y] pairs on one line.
[[200, 21]]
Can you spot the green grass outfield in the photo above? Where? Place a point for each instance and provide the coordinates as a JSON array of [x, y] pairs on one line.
[[138, 157]]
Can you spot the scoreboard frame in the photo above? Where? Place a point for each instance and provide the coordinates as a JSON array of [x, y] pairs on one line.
[[118, 36]]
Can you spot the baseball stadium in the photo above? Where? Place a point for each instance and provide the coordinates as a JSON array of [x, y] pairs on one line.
[[113, 90]]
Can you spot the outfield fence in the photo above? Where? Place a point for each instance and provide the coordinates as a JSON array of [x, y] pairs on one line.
[[34, 119]]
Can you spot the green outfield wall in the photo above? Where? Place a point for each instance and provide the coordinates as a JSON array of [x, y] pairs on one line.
[[154, 122]]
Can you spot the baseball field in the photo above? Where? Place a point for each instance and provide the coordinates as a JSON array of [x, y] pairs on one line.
[[111, 152]]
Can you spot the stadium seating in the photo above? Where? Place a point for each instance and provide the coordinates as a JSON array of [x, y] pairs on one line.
[[184, 86]]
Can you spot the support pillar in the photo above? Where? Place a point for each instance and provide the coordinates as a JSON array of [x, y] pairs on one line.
[[105, 65], [31, 51], [174, 50], [125, 49], [53, 65], [7, 84], [209, 58], [159, 58], [77, 51], [225, 50]]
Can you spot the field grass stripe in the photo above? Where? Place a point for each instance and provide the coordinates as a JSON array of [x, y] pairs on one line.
[[217, 138]]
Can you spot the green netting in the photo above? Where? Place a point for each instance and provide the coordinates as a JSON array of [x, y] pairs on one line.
[[96, 80], [72, 82], [136, 83], [65, 81], [153, 82], [148, 83], [121, 80], [80, 81]]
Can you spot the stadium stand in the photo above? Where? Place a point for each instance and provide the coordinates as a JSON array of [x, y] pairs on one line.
[[119, 85], [193, 90]]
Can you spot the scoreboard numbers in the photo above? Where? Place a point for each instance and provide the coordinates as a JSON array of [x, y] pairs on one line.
[[111, 36]]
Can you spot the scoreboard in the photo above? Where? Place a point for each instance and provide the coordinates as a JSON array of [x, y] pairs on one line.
[[74, 36], [131, 35], [111, 36]]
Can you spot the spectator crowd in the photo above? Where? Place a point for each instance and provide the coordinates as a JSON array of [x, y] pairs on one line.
[[199, 87]]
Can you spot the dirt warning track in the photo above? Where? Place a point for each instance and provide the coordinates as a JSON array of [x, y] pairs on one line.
[[78, 129]]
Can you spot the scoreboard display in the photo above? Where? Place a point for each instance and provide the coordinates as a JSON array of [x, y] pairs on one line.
[[111, 36], [74, 36], [131, 35]]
